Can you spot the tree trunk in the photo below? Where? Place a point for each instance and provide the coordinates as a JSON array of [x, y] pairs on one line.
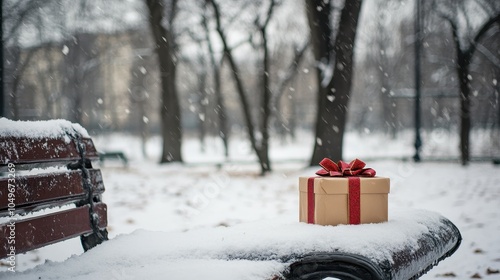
[[283, 126], [463, 61], [220, 109], [170, 115], [465, 121], [139, 96], [464, 58], [71, 81], [334, 93], [16, 77], [2, 81], [265, 105], [202, 104], [382, 41]]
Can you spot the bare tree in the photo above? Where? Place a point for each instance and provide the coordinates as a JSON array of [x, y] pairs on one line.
[[382, 42], [202, 98], [166, 50], [333, 52], [265, 90], [260, 146], [466, 43], [16, 77], [17, 14], [275, 68], [220, 109], [138, 88]]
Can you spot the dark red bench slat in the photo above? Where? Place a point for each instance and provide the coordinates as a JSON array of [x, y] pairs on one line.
[[44, 230], [40, 191], [28, 151]]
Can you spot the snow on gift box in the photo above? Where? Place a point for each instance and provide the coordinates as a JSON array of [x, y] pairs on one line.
[[343, 193]]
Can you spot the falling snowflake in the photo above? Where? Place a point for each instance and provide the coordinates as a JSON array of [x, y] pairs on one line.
[[65, 50], [319, 141]]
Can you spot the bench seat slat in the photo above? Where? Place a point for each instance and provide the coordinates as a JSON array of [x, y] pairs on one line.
[[44, 230], [30, 151], [49, 189]]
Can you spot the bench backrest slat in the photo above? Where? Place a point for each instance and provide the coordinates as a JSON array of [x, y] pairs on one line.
[[39, 231], [48, 189], [29, 151]]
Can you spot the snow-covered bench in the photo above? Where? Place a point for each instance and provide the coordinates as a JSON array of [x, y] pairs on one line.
[[45, 165], [406, 246]]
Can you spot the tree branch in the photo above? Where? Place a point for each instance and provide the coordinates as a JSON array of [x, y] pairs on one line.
[[488, 54], [291, 72]]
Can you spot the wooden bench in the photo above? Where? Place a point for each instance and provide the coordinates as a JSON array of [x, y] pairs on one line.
[[45, 167], [114, 155]]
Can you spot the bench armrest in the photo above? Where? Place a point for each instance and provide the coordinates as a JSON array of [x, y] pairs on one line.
[[408, 262]]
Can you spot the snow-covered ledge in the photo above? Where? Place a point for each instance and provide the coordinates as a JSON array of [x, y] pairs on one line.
[[50, 129], [33, 142]]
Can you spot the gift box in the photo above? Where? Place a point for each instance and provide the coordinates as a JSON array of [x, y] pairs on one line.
[[345, 194]]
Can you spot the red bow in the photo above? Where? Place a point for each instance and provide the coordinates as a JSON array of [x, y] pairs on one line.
[[354, 168]]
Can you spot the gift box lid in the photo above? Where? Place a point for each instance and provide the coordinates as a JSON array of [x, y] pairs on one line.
[[340, 185]]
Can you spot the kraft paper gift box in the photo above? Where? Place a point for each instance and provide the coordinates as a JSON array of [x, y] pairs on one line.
[[343, 200]]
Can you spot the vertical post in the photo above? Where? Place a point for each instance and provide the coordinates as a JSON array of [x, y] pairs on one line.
[[418, 42], [2, 97]]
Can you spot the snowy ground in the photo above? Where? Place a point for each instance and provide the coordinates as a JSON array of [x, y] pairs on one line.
[[209, 192]]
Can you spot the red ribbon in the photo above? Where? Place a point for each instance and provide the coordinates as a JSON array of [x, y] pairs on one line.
[[354, 200], [310, 200], [352, 170]]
